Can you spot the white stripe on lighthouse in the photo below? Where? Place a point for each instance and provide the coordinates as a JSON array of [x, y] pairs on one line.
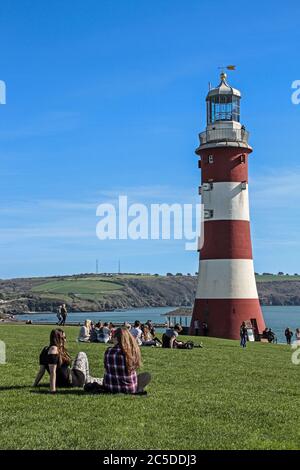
[[226, 279], [227, 200]]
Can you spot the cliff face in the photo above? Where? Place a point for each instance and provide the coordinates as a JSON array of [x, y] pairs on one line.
[[116, 292]]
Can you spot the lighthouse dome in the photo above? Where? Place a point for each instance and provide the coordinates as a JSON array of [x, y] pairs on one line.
[[223, 88], [223, 102]]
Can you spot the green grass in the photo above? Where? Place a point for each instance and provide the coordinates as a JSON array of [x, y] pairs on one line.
[[219, 397], [78, 286]]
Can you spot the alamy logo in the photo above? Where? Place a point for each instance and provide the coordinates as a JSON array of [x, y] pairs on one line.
[[296, 94], [2, 352], [156, 221], [296, 353], [2, 92]]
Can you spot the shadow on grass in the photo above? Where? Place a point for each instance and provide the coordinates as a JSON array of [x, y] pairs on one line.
[[80, 391], [72, 391], [5, 388]]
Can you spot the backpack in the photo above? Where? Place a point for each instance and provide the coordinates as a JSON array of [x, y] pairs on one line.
[[189, 345]]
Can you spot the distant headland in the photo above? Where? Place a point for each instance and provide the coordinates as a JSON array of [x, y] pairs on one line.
[[100, 292]]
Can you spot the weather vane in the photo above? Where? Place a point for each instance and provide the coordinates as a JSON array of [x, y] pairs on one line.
[[227, 67], [223, 75]]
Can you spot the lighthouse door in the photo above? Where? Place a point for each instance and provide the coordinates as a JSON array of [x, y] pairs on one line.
[[255, 328]]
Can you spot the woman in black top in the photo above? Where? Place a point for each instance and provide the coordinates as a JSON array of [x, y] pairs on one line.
[[57, 361]]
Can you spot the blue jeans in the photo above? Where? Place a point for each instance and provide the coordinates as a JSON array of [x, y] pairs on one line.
[[243, 342]]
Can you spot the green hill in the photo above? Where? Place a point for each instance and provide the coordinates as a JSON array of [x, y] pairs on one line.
[[89, 292]]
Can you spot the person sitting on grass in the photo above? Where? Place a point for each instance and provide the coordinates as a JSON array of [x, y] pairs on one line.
[[95, 332], [112, 329], [104, 334], [265, 333], [85, 332], [271, 336], [56, 360], [170, 337], [127, 325], [148, 339], [136, 332], [121, 363]]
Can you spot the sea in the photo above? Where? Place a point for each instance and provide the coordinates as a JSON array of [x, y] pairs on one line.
[[276, 317]]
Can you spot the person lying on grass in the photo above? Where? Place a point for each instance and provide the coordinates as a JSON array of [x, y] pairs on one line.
[[57, 361], [121, 363], [170, 339]]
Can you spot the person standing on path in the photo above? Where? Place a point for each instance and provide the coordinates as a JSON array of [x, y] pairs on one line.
[[58, 315], [64, 314], [288, 334]]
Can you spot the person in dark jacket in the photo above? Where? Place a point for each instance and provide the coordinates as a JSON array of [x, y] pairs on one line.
[[243, 335], [288, 335]]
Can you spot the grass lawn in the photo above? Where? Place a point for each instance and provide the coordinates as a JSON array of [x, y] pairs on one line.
[[219, 397], [78, 286]]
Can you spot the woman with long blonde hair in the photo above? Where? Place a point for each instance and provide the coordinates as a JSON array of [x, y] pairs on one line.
[[85, 332], [121, 363], [56, 360]]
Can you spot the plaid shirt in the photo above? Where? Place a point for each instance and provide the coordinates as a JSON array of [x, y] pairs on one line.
[[116, 378]]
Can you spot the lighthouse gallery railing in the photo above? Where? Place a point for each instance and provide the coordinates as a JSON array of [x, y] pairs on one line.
[[224, 135]]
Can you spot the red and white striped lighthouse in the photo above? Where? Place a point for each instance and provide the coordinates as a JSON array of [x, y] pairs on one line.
[[226, 292]]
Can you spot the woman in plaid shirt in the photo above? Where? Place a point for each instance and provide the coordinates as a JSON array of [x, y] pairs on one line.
[[121, 363]]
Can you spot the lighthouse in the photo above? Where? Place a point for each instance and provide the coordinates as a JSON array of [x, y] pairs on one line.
[[226, 290]]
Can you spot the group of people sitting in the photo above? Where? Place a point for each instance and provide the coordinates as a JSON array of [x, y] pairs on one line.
[[121, 363], [144, 334], [269, 335], [96, 333]]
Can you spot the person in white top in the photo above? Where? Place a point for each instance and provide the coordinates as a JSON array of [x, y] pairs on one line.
[[137, 332], [85, 332]]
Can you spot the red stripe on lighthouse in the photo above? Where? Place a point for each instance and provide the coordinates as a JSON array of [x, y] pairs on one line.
[[224, 316], [227, 164], [226, 239]]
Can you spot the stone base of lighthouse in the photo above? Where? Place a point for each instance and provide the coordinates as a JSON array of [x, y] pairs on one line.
[[225, 316]]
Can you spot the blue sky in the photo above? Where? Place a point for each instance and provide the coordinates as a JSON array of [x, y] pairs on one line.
[[107, 98]]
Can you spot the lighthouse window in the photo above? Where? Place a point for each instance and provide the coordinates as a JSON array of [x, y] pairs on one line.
[[210, 158], [236, 108], [223, 108]]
